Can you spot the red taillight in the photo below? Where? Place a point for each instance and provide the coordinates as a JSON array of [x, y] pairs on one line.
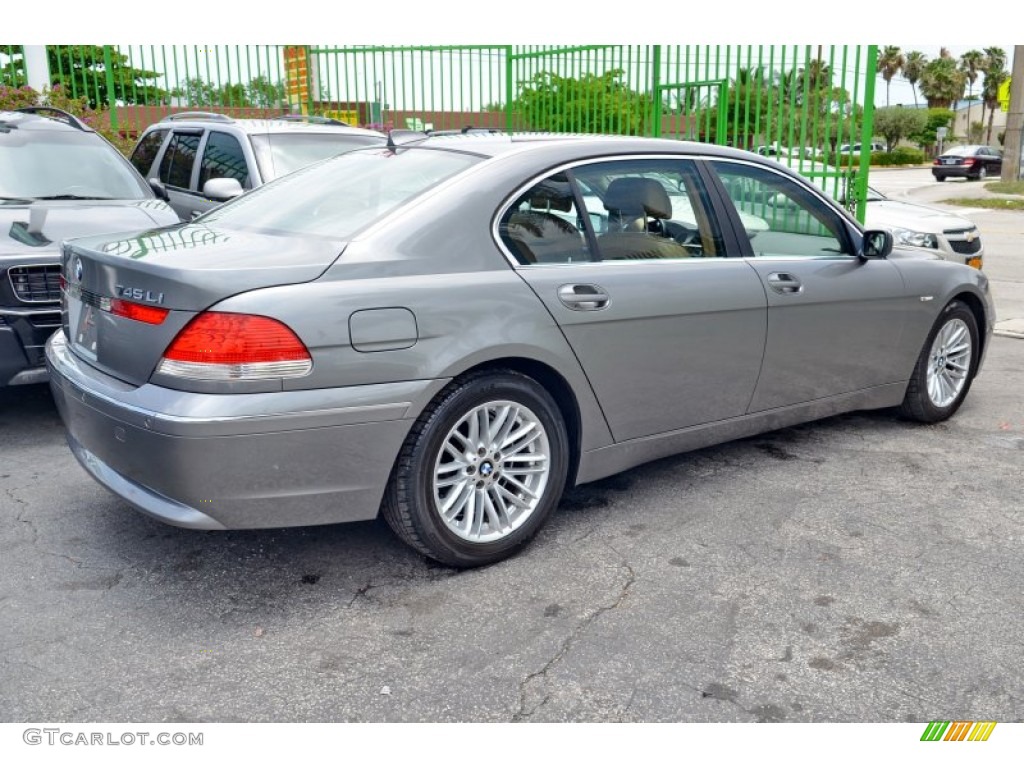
[[140, 312], [969, 161], [227, 346]]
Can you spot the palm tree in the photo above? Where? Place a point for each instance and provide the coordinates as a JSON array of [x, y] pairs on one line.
[[913, 67], [994, 68], [941, 82], [890, 62], [971, 64]]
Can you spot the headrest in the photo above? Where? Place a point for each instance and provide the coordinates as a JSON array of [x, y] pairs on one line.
[[551, 195], [638, 196]]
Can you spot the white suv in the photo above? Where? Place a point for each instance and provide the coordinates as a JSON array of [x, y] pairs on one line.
[[197, 160]]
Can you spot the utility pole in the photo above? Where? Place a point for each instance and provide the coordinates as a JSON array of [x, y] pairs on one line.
[[1014, 119]]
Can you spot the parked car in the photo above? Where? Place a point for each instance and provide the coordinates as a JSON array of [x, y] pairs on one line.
[[856, 148], [970, 161], [58, 179], [445, 331], [197, 160], [942, 233]]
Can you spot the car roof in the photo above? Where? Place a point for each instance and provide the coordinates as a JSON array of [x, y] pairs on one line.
[[260, 125], [46, 119], [495, 144]]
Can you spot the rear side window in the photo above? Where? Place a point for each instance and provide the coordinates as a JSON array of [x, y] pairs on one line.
[[146, 152], [176, 167], [223, 158]]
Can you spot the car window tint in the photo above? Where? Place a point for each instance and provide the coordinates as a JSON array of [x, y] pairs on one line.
[[649, 209], [145, 153], [223, 158], [543, 225], [780, 216], [176, 167]]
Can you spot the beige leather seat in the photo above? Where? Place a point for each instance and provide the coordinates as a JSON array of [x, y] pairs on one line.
[[635, 205]]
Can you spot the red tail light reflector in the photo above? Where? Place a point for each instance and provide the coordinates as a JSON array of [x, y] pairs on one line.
[[226, 346], [141, 312]]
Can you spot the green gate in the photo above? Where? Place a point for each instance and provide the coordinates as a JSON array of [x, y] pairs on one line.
[[799, 104]]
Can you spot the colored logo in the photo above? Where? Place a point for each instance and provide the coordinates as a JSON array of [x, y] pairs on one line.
[[959, 730]]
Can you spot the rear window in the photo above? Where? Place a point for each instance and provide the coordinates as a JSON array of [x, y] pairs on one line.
[[278, 154], [339, 197], [65, 164]]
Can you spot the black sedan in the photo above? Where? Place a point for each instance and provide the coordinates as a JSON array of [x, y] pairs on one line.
[[971, 161]]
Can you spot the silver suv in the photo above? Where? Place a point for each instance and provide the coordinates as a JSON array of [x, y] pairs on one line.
[[198, 160], [59, 179]]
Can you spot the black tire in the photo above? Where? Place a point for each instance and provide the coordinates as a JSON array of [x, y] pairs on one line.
[[940, 178], [413, 500], [929, 405], [982, 174]]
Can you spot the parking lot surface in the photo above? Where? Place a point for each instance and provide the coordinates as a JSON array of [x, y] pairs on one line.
[[855, 569]]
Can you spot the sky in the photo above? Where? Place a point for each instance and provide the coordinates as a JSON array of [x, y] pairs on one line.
[[464, 22]]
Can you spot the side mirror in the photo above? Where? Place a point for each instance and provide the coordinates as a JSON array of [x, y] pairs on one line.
[[159, 189], [877, 244], [222, 189]]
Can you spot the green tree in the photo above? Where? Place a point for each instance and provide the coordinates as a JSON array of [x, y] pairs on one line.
[[81, 69], [897, 123], [261, 92], [12, 66], [941, 82], [995, 75], [928, 136], [587, 104], [913, 68], [890, 63], [971, 64]]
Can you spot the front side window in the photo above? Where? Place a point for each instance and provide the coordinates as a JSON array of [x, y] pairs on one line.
[[145, 153], [176, 167], [649, 209], [781, 217], [223, 158]]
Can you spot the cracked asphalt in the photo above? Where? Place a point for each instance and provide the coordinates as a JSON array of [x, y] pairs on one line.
[[857, 569]]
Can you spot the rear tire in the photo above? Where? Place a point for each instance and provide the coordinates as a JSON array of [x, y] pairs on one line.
[[982, 174], [945, 368], [481, 470], [940, 178]]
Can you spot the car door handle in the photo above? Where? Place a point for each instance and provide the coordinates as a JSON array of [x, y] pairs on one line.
[[783, 282], [583, 296]]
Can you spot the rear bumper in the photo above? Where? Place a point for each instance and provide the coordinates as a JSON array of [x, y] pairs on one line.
[[234, 461]]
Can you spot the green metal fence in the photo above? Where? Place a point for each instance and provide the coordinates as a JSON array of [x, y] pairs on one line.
[[800, 103]]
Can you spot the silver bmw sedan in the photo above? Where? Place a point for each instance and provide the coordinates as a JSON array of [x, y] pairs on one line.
[[451, 330]]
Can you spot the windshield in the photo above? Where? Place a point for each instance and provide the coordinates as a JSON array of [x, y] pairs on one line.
[[68, 165], [338, 197], [279, 154]]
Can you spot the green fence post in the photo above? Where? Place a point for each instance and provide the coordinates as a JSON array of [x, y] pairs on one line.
[[866, 133], [108, 67], [656, 88]]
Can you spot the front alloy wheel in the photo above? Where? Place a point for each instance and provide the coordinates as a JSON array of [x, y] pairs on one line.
[[945, 367]]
